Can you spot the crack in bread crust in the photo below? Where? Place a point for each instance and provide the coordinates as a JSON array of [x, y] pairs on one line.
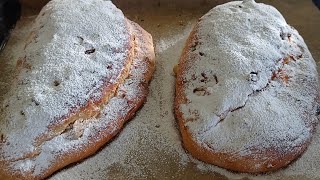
[[93, 107], [97, 128], [256, 124], [144, 61]]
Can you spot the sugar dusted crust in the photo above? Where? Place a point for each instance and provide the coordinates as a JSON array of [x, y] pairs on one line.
[[81, 132], [246, 89]]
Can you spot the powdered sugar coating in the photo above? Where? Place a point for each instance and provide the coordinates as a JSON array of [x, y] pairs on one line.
[[250, 82], [76, 47]]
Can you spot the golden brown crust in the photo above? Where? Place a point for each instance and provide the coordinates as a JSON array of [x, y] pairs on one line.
[[201, 151], [143, 60]]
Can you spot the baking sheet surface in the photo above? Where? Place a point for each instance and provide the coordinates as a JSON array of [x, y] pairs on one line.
[[149, 146]]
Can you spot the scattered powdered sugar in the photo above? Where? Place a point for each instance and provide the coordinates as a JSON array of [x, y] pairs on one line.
[[149, 147], [63, 67], [253, 83]]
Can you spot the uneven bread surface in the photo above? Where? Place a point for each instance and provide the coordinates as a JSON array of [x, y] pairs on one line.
[[247, 89], [85, 73]]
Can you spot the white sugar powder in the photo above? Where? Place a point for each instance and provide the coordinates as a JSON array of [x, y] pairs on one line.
[[149, 146], [265, 81]]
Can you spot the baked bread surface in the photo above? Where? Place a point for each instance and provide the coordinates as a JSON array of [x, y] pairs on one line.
[[84, 74], [246, 89]]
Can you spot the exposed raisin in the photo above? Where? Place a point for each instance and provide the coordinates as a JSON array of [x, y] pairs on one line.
[[201, 91], [2, 138], [35, 102], [56, 83], [216, 79], [282, 35], [318, 111], [90, 51]]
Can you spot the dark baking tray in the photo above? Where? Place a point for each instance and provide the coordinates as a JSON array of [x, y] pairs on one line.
[[169, 22]]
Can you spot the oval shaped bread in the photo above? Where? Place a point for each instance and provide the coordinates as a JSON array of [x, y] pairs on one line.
[[246, 90], [84, 74]]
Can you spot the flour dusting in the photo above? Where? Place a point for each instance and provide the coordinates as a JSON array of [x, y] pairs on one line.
[[251, 83], [76, 49], [149, 146]]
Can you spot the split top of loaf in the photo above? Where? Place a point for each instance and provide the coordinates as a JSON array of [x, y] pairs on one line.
[[247, 83], [75, 58]]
